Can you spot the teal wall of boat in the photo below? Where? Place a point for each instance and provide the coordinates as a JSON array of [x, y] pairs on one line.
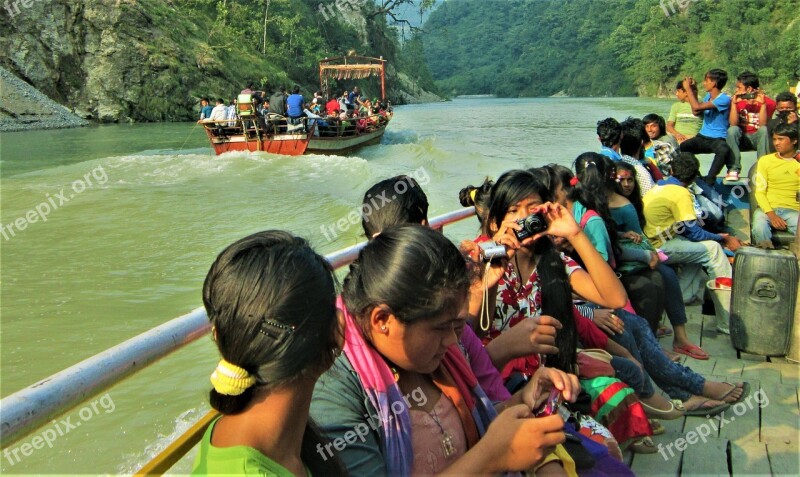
[[130, 251]]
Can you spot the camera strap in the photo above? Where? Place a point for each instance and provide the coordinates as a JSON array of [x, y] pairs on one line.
[[485, 320]]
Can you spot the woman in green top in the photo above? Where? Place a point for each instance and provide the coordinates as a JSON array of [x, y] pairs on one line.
[[271, 301]]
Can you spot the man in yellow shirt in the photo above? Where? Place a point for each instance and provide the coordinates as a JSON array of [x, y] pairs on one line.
[[777, 182], [672, 225]]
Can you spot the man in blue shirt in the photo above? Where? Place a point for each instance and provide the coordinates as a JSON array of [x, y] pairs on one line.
[[355, 98], [205, 109], [715, 108], [295, 102]]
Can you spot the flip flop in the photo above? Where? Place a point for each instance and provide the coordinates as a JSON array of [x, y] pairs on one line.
[[692, 351], [656, 427], [663, 331], [745, 393], [707, 411], [645, 445], [668, 414]]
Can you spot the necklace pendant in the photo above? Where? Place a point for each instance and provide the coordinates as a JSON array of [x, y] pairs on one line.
[[448, 448]]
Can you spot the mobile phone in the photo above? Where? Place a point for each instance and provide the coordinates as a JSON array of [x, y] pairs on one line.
[[550, 405]]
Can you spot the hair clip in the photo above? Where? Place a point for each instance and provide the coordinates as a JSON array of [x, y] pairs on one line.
[[574, 181], [275, 330]]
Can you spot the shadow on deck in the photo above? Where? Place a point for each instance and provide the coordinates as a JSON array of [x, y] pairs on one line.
[[759, 436]]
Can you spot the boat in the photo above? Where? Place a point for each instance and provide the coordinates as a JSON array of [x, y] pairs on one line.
[[279, 134]]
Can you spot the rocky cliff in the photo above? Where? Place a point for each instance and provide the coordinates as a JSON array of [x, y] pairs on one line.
[[132, 60]]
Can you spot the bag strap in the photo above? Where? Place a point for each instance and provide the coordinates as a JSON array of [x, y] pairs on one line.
[[588, 215]]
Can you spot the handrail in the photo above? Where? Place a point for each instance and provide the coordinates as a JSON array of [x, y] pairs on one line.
[[32, 407]]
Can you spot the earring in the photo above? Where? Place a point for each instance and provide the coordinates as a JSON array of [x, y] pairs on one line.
[[336, 351], [383, 327]]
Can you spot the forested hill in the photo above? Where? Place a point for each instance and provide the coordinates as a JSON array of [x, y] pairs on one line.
[[152, 60], [607, 47]]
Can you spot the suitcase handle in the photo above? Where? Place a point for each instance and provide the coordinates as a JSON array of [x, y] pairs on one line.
[[766, 290]]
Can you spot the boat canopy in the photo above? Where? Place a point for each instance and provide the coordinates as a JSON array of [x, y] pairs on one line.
[[352, 67]]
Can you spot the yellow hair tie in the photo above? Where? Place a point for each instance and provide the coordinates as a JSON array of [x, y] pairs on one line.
[[472, 194], [231, 380]]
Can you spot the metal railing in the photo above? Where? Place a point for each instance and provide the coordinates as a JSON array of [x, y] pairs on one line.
[[26, 410], [327, 126]]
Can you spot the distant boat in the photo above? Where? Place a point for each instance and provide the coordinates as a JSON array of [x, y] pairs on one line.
[[278, 134]]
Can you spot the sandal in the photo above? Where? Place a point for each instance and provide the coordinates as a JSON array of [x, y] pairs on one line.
[[656, 427], [707, 411], [663, 331], [668, 414], [745, 393], [692, 351], [645, 445]]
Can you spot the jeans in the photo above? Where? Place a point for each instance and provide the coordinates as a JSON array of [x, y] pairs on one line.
[[762, 229], [707, 253], [740, 141], [645, 290], [673, 299], [632, 375], [722, 153], [678, 381]]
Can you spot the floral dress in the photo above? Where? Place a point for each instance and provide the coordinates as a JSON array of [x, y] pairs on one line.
[[613, 403]]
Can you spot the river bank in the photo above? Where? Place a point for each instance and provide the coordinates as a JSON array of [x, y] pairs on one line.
[[25, 108]]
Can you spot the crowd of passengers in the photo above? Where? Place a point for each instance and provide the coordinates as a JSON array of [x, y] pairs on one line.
[[350, 111], [430, 358]]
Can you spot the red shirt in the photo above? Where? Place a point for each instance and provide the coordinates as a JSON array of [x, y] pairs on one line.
[[332, 107], [748, 114]]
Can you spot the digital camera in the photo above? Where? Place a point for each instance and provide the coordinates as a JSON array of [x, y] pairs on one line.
[[748, 96], [531, 225], [783, 115], [491, 251]]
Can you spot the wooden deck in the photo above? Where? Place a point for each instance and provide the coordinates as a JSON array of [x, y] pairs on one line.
[[757, 437]]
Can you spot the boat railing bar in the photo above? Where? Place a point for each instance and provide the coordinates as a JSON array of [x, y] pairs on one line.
[[26, 410], [215, 125]]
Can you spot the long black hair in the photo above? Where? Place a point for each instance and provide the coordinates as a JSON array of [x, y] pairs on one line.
[[636, 196], [596, 175], [479, 197], [258, 289], [414, 270], [512, 187]]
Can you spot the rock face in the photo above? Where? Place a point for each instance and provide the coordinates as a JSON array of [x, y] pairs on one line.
[[24, 107], [124, 60]]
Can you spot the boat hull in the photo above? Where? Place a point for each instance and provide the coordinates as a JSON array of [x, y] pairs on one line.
[[293, 144]]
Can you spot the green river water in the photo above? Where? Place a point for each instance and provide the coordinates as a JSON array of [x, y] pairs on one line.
[[137, 214]]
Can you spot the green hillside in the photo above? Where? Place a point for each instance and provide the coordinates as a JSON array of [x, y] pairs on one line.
[[607, 47], [151, 60]]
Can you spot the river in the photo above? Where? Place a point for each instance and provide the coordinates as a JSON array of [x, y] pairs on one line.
[[109, 231]]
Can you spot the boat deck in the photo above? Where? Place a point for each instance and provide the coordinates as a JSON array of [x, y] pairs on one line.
[[751, 439]]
